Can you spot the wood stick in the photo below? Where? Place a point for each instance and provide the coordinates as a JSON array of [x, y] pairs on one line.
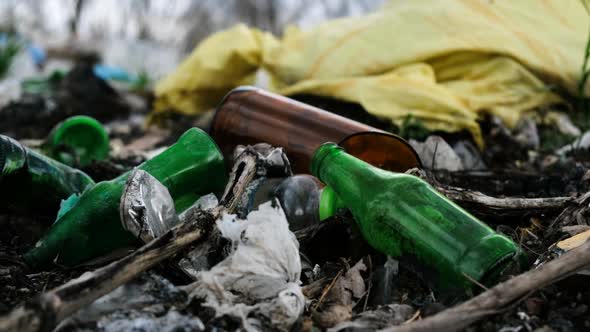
[[46, 310], [507, 206], [499, 297], [575, 214], [484, 205]]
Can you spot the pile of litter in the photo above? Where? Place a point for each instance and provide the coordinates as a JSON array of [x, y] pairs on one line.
[[438, 186]]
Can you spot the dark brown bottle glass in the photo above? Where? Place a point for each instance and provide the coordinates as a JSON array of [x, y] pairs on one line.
[[248, 115]]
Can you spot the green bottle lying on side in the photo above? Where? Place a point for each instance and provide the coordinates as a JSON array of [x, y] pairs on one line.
[[404, 217], [190, 168]]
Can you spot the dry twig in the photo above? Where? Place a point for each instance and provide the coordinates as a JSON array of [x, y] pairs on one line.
[[499, 297], [493, 206], [575, 214]]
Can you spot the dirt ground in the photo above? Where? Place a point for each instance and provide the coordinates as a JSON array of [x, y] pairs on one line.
[[335, 247]]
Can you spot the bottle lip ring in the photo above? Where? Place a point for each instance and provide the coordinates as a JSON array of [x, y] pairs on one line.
[[80, 120], [504, 250], [492, 271], [100, 147], [212, 141], [320, 154]]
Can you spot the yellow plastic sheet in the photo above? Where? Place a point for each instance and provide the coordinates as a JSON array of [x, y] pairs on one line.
[[444, 61]]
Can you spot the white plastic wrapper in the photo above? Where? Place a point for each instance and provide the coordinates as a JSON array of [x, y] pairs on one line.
[[260, 278]]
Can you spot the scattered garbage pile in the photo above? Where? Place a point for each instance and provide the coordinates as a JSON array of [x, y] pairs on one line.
[[446, 192]]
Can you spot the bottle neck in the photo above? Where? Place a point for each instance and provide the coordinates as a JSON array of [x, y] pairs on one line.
[[329, 203], [190, 168], [344, 174]]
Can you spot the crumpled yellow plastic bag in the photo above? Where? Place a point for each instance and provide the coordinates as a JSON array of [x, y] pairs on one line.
[[445, 62]]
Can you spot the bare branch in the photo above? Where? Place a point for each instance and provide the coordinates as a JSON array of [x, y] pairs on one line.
[[499, 297]]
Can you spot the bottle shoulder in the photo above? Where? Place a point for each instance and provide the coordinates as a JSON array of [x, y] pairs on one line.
[[396, 180], [397, 189]]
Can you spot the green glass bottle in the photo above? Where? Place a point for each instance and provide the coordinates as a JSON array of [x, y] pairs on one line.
[[78, 140], [404, 217], [34, 182], [190, 168]]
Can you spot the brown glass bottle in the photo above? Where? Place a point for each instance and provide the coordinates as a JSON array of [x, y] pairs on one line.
[[248, 115]]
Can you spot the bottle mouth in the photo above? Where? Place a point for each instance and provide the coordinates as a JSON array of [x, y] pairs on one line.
[[494, 273], [84, 136], [320, 154], [217, 158], [210, 140], [491, 258], [511, 263]]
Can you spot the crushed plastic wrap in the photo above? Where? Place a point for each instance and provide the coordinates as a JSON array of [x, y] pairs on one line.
[[147, 209], [258, 283]]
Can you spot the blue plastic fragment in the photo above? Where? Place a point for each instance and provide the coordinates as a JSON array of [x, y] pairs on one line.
[[110, 73], [37, 54]]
